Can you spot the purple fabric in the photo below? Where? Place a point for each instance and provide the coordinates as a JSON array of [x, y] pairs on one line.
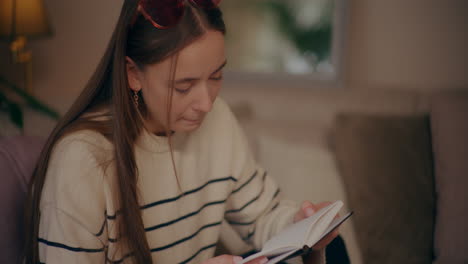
[[18, 156], [449, 121]]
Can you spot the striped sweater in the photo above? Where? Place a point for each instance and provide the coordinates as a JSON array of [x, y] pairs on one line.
[[219, 180]]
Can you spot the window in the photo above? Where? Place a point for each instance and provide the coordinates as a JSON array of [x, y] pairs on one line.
[[284, 38]]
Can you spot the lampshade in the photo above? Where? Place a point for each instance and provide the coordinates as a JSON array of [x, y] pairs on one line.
[[23, 18]]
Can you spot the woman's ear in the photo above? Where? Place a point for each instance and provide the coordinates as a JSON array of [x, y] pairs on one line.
[[133, 74]]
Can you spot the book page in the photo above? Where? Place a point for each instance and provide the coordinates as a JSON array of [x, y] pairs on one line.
[[294, 253], [279, 252], [322, 223], [334, 224], [297, 235], [281, 257]]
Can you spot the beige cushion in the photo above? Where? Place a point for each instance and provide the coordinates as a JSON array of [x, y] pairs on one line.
[[385, 162]]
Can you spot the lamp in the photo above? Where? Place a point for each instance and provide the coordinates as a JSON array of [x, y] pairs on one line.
[[20, 20]]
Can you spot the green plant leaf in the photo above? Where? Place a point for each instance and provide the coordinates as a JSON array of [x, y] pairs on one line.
[[12, 109], [4, 102], [31, 101], [16, 115], [316, 39], [285, 19]]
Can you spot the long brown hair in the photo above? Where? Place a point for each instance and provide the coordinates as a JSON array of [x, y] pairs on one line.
[[108, 88]]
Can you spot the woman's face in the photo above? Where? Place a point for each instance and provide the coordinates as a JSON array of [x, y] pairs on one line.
[[198, 79]]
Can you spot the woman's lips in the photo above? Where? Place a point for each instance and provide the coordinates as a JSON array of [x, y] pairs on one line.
[[192, 121]]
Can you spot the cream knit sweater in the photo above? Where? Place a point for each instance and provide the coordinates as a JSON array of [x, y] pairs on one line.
[[219, 179]]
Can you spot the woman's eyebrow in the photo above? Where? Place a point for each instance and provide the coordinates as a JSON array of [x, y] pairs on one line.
[[184, 80], [220, 67]]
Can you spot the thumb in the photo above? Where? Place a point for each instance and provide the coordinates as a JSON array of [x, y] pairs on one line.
[[308, 208]]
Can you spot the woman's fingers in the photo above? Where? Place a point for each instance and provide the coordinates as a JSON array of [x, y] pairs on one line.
[[260, 260], [326, 240], [223, 259], [229, 259], [308, 209]]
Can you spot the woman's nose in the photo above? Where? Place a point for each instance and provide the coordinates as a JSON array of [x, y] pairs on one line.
[[204, 100]]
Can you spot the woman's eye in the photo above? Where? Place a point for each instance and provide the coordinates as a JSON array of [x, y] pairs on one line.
[[217, 78], [182, 91], [183, 88]]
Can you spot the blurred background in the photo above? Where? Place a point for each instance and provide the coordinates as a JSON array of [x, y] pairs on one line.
[[361, 104], [398, 45]]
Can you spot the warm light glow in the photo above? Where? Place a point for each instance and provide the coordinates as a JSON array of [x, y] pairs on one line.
[[30, 19]]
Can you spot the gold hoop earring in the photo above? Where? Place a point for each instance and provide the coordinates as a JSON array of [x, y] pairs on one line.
[[135, 98]]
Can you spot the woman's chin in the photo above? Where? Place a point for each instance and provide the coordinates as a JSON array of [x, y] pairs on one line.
[[189, 128], [186, 128], [185, 125]]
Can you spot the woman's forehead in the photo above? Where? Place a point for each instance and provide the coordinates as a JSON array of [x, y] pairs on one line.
[[203, 56]]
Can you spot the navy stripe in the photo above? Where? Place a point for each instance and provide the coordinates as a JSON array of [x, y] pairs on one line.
[[249, 236], [112, 217], [120, 260], [188, 192], [186, 238], [276, 193], [242, 223], [251, 201], [247, 182], [184, 217], [247, 204], [148, 229], [74, 249], [101, 230], [183, 262], [274, 207], [114, 261], [198, 252], [251, 222]]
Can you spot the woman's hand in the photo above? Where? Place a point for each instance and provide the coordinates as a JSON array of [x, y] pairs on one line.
[[228, 259], [308, 209]]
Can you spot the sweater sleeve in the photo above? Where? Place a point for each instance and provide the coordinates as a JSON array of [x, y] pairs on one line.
[[72, 224], [256, 208]]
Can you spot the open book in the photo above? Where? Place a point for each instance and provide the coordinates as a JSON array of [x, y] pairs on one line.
[[300, 237]]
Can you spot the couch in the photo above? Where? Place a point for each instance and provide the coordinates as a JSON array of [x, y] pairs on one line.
[[318, 143], [398, 159], [18, 156]]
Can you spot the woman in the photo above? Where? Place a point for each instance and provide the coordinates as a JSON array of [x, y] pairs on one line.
[[148, 162]]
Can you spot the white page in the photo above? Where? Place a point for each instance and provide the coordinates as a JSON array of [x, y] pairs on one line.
[[283, 251], [321, 225], [281, 257], [295, 236], [336, 223]]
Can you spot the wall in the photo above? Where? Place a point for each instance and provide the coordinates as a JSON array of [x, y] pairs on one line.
[[402, 44], [63, 64], [395, 44]]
